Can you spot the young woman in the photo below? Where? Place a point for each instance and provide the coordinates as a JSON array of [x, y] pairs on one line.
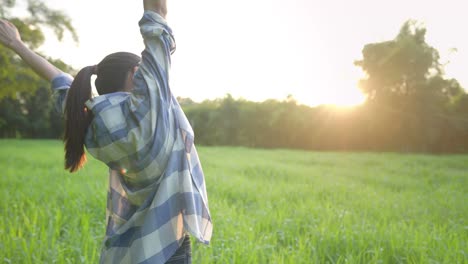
[[157, 194]]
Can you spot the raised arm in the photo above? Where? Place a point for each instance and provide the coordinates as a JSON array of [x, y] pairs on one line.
[[10, 38], [158, 6]]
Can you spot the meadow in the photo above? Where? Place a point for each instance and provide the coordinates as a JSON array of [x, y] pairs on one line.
[[268, 206]]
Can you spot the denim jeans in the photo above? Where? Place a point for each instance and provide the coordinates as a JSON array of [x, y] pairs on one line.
[[183, 255]]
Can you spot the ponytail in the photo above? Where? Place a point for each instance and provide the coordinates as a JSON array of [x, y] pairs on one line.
[[77, 119], [111, 73]]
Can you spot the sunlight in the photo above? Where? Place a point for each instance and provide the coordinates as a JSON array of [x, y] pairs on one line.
[[345, 92], [349, 98], [342, 94]]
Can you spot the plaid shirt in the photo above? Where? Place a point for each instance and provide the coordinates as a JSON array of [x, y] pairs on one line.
[[156, 190]]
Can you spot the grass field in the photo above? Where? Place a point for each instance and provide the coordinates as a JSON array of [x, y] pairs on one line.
[[268, 206]]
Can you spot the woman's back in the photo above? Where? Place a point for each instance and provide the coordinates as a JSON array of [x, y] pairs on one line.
[[156, 187]]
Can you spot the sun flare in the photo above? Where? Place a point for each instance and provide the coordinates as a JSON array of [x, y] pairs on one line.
[[348, 99], [339, 97]]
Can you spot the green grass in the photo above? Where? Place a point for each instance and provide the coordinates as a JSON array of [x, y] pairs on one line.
[[268, 206]]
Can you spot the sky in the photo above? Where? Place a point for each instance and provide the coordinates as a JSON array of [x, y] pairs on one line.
[[266, 49]]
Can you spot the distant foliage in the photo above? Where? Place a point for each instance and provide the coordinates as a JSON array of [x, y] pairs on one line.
[[15, 76], [405, 70], [25, 99], [286, 124], [30, 115], [411, 107]]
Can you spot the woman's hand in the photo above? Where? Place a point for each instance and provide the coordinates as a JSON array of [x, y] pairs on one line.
[[9, 35], [158, 6]]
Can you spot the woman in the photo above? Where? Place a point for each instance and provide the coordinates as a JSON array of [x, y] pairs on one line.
[[157, 195]]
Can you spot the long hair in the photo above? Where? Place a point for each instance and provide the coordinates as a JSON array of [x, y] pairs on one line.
[[111, 73], [77, 119]]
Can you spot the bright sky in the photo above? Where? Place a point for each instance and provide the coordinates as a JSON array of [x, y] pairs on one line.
[[260, 49]]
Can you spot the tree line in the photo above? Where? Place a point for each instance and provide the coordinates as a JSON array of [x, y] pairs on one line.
[[369, 127], [410, 106]]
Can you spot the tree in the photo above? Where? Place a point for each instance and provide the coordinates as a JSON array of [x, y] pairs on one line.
[[404, 68], [406, 87], [15, 76], [25, 102]]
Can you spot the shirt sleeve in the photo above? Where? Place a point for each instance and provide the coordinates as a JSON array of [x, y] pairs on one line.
[[127, 125], [60, 85], [152, 76]]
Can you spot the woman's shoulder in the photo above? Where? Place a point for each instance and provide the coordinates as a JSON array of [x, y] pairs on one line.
[[62, 81], [103, 102]]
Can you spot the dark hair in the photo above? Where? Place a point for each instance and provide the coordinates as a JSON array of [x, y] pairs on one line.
[[111, 73]]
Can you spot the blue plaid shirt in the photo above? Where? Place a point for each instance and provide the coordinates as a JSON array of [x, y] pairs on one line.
[[157, 190]]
